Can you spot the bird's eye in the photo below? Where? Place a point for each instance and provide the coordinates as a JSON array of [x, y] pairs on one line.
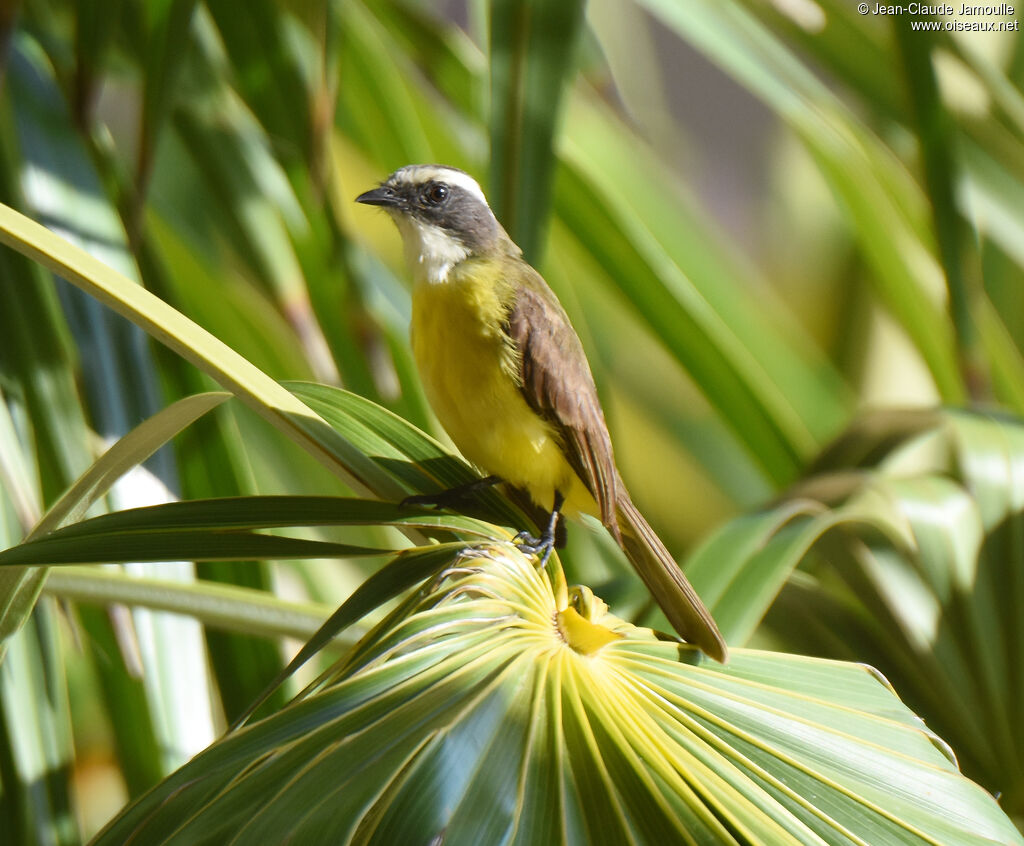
[[435, 193]]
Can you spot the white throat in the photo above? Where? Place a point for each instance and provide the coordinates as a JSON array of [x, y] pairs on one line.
[[430, 252]]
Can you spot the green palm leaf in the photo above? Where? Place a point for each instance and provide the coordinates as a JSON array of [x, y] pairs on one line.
[[914, 525], [489, 708]]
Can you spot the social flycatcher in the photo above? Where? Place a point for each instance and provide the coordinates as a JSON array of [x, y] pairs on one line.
[[508, 379]]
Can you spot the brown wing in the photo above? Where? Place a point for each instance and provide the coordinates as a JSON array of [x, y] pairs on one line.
[[556, 382]]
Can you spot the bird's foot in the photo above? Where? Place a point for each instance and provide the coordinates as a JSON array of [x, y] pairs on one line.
[[545, 544], [542, 546], [452, 497]]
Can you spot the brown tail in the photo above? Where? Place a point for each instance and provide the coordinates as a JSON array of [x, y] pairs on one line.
[[666, 581]]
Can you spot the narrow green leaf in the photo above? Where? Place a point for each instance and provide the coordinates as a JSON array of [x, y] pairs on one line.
[[385, 110], [1002, 353], [196, 345], [852, 46], [167, 38], [793, 381], [413, 458], [733, 381], [940, 164], [128, 452], [36, 359], [17, 479], [139, 743], [226, 607], [265, 512], [273, 59], [920, 574], [532, 53], [454, 63], [170, 545], [878, 197], [35, 726], [407, 568]]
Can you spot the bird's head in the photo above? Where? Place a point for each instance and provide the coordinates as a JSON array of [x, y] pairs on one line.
[[442, 215]]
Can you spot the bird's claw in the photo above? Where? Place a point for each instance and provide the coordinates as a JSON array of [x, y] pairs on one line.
[[530, 545]]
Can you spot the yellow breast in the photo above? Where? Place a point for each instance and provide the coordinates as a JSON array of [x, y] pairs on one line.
[[470, 374]]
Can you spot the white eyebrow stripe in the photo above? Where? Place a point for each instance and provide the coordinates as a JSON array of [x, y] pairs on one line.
[[420, 174]]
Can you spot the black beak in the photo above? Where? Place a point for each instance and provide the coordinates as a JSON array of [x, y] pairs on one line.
[[383, 196]]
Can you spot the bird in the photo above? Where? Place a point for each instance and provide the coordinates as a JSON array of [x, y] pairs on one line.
[[508, 378]]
